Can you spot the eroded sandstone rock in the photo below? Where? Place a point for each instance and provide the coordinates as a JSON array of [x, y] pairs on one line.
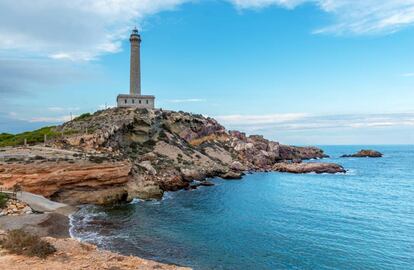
[[78, 182]]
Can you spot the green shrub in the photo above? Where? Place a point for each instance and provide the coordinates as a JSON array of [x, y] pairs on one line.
[[82, 116], [23, 243], [5, 136], [3, 200], [36, 136]]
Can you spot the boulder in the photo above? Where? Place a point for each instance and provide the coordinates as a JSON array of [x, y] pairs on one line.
[[144, 190], [192, 174], [206, 184], [237, 166], [232, 175], [148, 167]]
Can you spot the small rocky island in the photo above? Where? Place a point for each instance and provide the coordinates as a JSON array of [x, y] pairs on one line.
[[365, 153], [120, 154]]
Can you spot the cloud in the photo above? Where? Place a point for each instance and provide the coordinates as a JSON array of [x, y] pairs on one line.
[[49, 119], [351, 16], [106, 106], [76, 29], [188, 100], [41, 119], [408, 74], [243, 120], [61, 109], [84, 30], [302, 122], [18, 76], [257, 4]]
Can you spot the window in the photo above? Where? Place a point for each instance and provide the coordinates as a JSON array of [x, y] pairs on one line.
[[133, 101], [126, 101], [139, 101], [147, 101]]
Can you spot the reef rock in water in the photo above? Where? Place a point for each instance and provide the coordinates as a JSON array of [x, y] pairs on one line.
[[365, 153]]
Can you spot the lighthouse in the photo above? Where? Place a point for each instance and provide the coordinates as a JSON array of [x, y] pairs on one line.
[[135, 99], [135, 65]]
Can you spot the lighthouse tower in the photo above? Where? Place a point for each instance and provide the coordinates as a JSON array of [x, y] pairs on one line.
[[135, 99], [135, 68]]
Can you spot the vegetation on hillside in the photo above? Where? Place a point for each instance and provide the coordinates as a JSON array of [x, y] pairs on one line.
[[35, 136], [82, 116], [5, 136], [32, 137], [3, 200], [22, 243]]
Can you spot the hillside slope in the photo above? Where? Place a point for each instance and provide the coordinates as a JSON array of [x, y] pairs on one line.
[[122, 153]]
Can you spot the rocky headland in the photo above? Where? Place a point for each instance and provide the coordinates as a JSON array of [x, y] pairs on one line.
[[120, 154], [365, 153]]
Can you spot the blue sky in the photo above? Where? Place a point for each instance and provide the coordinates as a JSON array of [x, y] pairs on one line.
[[297, 71]]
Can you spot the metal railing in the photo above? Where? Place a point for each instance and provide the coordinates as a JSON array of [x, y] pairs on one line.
[[10, 193]]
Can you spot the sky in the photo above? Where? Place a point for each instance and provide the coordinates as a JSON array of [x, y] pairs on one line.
[[296, 71]]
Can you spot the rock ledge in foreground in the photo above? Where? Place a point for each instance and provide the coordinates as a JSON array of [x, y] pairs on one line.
[[72, 254]]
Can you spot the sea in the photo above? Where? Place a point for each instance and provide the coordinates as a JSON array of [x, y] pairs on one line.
[[363, 219]]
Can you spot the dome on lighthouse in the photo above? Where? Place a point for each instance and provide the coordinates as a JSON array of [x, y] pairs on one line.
[[135, 32]]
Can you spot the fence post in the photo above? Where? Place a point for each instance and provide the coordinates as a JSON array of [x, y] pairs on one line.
[[25, 142], [44, 139]]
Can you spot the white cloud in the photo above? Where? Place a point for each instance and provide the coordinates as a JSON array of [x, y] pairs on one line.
[[76, 29], [265, 3], [42, 119], [106, 106], [49, 119], [352, 16], [408, 74], [84, 30], [187, 100], [302, 121], [238, 119], [61, 109]]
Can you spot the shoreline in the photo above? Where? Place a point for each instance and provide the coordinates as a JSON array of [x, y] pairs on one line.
[[56, 227], [167, 194]]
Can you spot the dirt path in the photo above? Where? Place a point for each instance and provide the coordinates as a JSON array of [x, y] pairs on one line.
[[41, 204], [50, 218]]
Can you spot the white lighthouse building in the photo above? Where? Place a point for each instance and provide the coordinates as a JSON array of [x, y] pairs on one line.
[[135, 99]]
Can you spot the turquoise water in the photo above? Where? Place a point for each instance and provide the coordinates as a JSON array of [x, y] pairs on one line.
[[361, 220]]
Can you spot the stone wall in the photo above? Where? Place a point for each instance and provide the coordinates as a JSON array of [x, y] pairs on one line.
[[136, 101]]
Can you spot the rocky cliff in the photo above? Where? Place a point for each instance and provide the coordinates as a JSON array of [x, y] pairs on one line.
[[123, 153]]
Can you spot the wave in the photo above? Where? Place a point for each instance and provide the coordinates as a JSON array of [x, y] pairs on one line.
[[351, 172], [82, 219]]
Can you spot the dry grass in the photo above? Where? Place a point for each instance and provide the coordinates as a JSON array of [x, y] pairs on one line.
[[208, 138], [22, 243]]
